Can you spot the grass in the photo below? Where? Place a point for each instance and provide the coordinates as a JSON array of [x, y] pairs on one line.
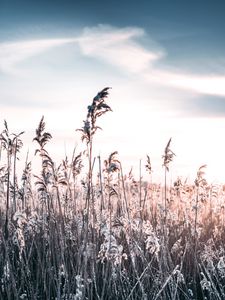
[[109, 237]]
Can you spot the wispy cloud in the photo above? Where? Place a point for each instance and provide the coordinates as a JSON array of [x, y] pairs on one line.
[[11, 54], [203, 84], [119, 47], [122, 48]]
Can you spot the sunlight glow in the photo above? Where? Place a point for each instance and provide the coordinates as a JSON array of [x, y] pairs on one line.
[[144, 98]]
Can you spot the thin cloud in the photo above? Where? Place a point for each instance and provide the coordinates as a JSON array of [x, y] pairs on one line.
[[203, 84], [11, 54], [120, 47]]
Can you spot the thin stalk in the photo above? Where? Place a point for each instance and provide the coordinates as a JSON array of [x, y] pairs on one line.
[[124, 192], [14, 177], [101, 184], [165, 195], [7, 194], [140, 183], [24, 184], [196, 221]]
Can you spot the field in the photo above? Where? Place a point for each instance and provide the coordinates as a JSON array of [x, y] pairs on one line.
[[110, 236]]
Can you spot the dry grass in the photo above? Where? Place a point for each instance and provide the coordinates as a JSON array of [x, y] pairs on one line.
[[109, 237]]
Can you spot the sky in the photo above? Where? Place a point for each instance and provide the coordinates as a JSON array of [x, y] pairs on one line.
[[165, 63]]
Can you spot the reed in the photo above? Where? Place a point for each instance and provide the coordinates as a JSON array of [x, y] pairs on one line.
[[68, 235]]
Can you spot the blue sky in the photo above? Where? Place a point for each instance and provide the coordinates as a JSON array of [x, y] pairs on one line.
[[164, 61]]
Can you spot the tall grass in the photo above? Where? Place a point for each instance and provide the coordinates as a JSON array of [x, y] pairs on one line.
[[109, 237]]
